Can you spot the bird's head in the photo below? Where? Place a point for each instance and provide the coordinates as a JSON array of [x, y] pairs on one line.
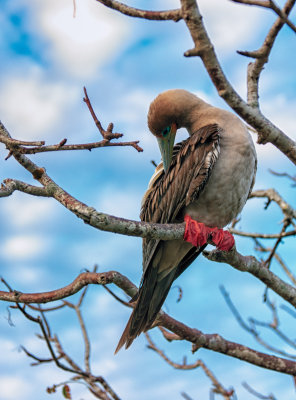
[[169, 111], [162, 122]]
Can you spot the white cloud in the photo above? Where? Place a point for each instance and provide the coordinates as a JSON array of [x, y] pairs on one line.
[[102, 252], [106, 365], [115, 201], [13, 387], [23, 247], [134, 106], [9, 351], [27, 275], [231, 25], [81, 44], [281, 111], [31, 105], [23, 211]]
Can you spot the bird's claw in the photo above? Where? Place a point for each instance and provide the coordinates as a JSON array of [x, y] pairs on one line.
[[198, 233]]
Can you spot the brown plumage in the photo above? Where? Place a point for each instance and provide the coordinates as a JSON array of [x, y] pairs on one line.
[[209, 178]]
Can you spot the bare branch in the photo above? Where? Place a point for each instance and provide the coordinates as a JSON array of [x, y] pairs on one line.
[[81, 281], [262, 55], [10, 185], [263, 235], [273, 250], [251, 329], [288, 272], [257, 269], [273, 195], [108, 135], [249, 112], [281, 174], [174, 15], [217, 343], [82, 146], [14, 142], [257, 394], [209, 341], [85, 339], [184, 366], [38, 360], [272, 6], [217, 387]]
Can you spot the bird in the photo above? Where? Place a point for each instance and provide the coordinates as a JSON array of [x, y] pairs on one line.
[[205, 180]]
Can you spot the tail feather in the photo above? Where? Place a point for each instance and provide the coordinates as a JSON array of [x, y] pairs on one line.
[[152, 295], [125, 339]]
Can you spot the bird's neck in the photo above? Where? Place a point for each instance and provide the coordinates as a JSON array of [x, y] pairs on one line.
[[199, 115]]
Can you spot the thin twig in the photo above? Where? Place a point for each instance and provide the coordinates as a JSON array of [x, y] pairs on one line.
[[252, 327], [272, 6], [273, 250], [263, 235], [218, 388], [257, 394]]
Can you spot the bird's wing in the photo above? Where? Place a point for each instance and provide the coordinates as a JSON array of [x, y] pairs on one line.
[[168, 194]]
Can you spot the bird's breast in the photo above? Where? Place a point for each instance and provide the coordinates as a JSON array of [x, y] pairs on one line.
[[228, 187]]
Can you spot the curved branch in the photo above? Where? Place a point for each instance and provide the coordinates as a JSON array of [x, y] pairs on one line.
[[272, 6], [262, 55], [218, 344], [174, 15], [267, 132], [89, 215], [15, 142], [82, 280], [10, 185], [199, 339], [113, 224], [227, 394], [254, 267], [273, 195]]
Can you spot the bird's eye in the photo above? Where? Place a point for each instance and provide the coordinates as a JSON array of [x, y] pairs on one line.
[[166, 131]]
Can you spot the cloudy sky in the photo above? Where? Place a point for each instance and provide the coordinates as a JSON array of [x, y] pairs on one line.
[[47, 56]]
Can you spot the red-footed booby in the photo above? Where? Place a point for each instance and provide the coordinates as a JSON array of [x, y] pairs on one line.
[[204, 180]]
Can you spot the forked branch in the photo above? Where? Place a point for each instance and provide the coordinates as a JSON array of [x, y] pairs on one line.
[[199, 339]]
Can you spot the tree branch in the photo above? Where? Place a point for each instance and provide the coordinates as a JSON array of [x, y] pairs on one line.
[[81, 146], [262, 55], [217, 386], [81, 281], [257, 394], [263, 235], [89, 215], [174, 15], [251, 328], [208, 341], [272, 6], [10, 185], [273, 195], [218, 344], [267, 132], [254, 267], [108, 135]]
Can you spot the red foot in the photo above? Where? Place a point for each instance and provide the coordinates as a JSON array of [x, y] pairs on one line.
[[198, 233]]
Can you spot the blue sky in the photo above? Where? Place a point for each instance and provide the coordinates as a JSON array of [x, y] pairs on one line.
[[47, 56]]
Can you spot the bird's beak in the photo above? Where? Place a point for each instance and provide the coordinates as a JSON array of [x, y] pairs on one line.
[[166, 145]]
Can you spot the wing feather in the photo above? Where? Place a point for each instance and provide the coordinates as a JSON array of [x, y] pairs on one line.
[[169, 193]]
